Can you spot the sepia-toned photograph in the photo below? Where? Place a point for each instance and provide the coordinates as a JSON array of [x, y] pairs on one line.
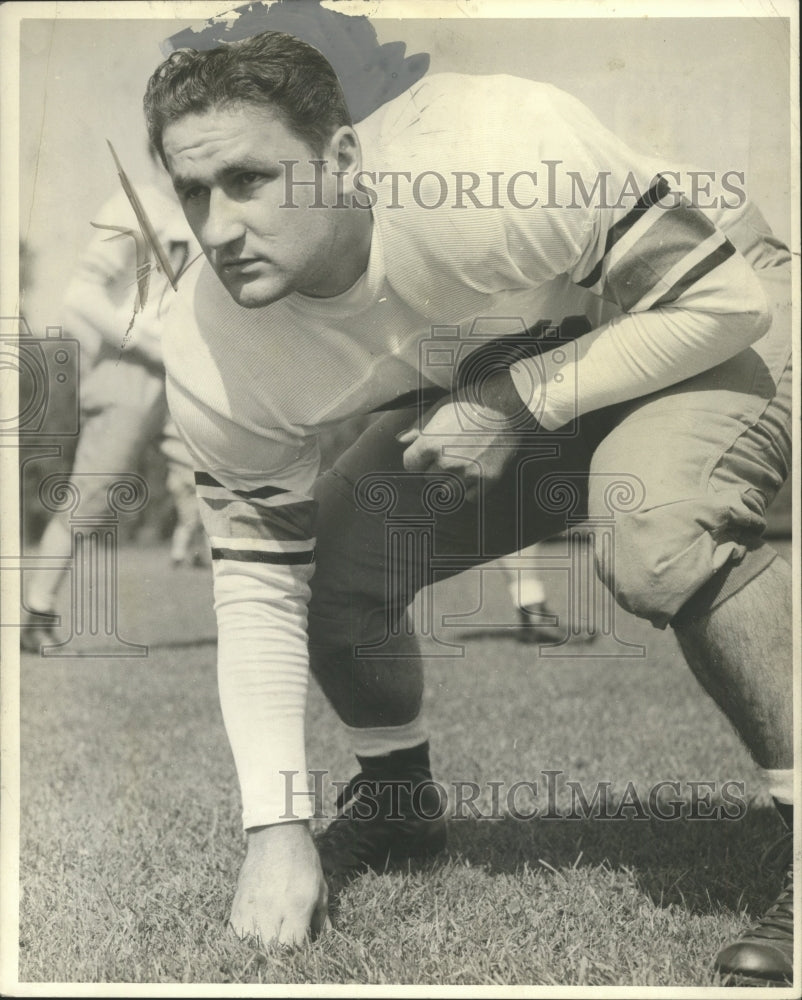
[[400, 522]]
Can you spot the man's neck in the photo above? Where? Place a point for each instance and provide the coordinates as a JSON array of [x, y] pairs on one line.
[[353, 254]]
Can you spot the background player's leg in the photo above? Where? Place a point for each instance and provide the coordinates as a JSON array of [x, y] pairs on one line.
[[113, 436], [538, 620], [55, 543], [188, 544], [535, 620]]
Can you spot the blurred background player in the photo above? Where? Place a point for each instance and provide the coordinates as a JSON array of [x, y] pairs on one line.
[[123, 405], [536, 621], [188, 543]]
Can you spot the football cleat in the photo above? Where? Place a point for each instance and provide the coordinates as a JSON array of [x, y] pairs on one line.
[[536, 625], [36, 631], [765, 952], [382, 822]]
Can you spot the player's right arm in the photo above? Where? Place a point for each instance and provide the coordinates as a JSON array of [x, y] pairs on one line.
[[254, 480], [262, 544]]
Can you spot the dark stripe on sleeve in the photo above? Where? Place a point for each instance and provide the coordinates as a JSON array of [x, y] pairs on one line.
[[257, 555], [204, 479], [657, 191], [261, 493], [665, 245], [705, 266]]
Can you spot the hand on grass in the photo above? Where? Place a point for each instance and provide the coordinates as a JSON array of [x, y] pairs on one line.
[[281, 894]]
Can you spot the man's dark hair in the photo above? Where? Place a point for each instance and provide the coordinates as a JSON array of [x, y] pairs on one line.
[[274, 70]]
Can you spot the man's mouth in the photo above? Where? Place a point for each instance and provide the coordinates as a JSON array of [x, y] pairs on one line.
[[240, 264]]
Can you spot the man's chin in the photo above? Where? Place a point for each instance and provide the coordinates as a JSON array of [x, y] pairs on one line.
[[253, 294]]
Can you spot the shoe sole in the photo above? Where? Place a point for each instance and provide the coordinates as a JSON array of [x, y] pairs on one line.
[[33, 643], [736, 979]]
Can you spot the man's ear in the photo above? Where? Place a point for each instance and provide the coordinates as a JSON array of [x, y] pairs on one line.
[[345, 154]]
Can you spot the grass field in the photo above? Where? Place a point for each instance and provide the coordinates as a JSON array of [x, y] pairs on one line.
[[131, 842]]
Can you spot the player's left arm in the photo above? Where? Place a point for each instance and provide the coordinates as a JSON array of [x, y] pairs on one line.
[[688, 300], [682, 297]]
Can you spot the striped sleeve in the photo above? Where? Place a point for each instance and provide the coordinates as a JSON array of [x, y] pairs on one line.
[[655, 252], [263, 551], [267, 525], [683, 298]]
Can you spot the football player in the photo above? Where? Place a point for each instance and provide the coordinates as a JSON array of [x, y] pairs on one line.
[[123, 403], [332, 253]]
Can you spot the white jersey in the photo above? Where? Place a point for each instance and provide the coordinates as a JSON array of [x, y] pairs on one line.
[[497, 203]]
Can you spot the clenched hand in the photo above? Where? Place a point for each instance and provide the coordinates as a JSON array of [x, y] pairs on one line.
[[472, 438]]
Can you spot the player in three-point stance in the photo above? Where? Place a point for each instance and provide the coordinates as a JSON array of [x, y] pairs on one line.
[[323, 274]]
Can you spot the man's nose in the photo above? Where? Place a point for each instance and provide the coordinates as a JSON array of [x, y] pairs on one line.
[[224, 222]]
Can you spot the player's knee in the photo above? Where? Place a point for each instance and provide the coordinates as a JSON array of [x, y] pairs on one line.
[[653, 562], [328, 632], [349, 623], [629, 567], [656, 559]]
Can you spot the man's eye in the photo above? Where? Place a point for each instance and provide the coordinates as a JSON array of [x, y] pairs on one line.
[[192, 193], [249, 177]]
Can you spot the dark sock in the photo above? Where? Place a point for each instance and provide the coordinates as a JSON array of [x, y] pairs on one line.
[[786, 813], [534, 609], [398, 763]]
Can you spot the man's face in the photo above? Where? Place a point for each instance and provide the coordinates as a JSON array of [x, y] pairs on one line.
[[261, 237]]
